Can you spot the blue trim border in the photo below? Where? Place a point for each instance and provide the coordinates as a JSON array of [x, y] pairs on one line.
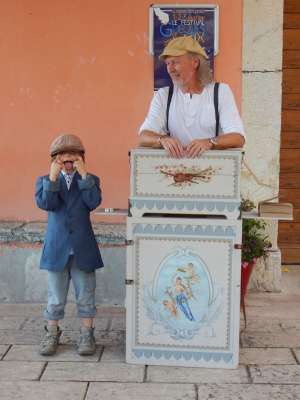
[[185, 230], [180, 355], [193, 205]]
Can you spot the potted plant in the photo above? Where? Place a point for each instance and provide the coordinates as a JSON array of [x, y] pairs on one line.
[[255, 244]]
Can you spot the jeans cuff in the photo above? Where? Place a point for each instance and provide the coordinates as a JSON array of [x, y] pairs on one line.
[[54, 316], [87, 313]]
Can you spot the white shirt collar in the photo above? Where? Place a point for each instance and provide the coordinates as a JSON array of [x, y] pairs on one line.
[[70, 175]]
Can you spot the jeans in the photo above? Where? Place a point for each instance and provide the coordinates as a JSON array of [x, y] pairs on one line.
[[58, 286]]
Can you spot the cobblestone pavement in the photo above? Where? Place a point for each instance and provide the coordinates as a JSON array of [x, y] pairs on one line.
[[269, 358]]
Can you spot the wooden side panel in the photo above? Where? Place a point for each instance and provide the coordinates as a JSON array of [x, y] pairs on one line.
[[289, 232], [292, 6], [290, 139]]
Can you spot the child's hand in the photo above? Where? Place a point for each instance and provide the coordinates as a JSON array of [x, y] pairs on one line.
[[56, 167], [80, 167]]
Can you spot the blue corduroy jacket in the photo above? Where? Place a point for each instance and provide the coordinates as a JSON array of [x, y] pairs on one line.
[[69, 226]]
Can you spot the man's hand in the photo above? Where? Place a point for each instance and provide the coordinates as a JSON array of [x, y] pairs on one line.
[[56, 167], [198, 146], [80, 167], [173, 146]]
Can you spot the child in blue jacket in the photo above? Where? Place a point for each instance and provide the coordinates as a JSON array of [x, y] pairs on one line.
[[70, 250]]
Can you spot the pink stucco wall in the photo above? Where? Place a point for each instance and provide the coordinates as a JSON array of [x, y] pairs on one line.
[[82, 67]]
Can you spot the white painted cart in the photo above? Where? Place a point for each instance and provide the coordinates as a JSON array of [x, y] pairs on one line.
[[184, 260]]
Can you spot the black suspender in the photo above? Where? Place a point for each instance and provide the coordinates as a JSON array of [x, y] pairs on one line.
[[171, 88], [216, 105]]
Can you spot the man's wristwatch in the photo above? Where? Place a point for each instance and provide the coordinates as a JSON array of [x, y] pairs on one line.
[[213, 142]]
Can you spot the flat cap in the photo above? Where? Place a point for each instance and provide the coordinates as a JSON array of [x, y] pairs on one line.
[[182, 45], [65, 143]]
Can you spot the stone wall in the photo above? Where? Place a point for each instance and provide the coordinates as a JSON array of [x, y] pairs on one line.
[[22, 281], [261, 112]]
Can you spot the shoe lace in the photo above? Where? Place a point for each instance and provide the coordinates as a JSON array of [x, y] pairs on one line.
[[85, 338], [50, 338]]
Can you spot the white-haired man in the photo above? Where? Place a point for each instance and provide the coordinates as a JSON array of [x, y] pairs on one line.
[[192, 116]]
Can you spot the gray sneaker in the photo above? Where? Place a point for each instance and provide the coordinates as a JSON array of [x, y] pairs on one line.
[[50, 340], [86, 342]]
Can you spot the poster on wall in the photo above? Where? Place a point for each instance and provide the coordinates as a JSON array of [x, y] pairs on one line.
[[170, 21]]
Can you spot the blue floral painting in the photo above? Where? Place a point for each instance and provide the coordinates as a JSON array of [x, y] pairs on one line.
[[182, 297]]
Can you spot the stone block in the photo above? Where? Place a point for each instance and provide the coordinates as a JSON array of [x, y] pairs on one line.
[[42, 390], [249, 392], [196, 375], [266, 275], [35, 284], [97, 372], [111, 279], [262, 119], [266, 356], [64, 353], [20, 370], [12, 274], [262, 36], [261, 109], [283, 374], [114, 354], [138, 391]]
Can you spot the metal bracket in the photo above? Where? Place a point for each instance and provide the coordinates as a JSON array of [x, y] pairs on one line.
[[238, 246], [129, 281]]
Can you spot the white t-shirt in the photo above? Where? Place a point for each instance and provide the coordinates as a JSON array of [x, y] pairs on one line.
[[193, 117]]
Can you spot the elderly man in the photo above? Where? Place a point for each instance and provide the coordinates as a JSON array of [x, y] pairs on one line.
[[187, 126]]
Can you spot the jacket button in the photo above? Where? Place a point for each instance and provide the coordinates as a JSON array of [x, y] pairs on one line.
[[71, 231]]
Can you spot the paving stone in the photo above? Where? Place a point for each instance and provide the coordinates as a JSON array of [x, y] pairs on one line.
[[118, 323], [138, 391], [262, 339], [114, 353], [283, 374], [19, 370], [42, 390], [101, 372], [258, 325], [20, 337], [3, 350], [297, 353], [68, 323], [103, 338], [64, 353], [274, 306], [249, 392], [196, 375], [266, 356], [11, 322]]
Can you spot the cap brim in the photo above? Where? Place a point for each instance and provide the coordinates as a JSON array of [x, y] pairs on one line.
[[172, 53]]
